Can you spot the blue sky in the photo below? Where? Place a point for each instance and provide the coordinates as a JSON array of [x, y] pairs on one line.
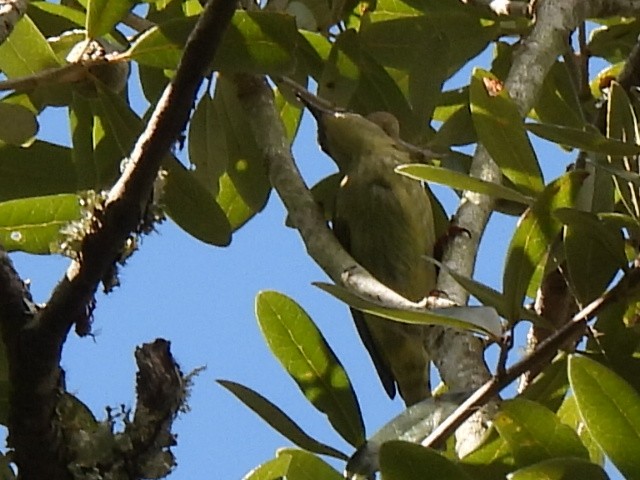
[[201, 298]]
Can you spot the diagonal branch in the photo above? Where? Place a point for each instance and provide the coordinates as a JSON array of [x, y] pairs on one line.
[[626, 288], [34, 352], [458, 355], [257, 100]]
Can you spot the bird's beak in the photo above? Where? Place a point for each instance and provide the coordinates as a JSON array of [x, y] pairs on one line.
[[312, 104]]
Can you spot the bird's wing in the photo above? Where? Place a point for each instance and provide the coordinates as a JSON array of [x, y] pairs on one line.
[[341, 231]]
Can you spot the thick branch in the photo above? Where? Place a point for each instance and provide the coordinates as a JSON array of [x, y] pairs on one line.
[[458, 355], [34, 352], [161, 393], [554, 301]]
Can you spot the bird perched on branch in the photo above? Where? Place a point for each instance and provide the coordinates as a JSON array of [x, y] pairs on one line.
[[385, 221]]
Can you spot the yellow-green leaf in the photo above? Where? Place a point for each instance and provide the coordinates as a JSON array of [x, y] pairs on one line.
[[274, 469], [588, 139], [459, 181], [610, 408], [279, 420], [500, 129], [306, 466], [475, 319], [33, 224], [304, 353], [536, 231], [103, 15], [18, 124], [566, 468], [408, 461], [255, 42], [535, 433]]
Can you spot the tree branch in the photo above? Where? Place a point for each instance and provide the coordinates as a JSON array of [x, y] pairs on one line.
[[458, 355], [11, 11], [35, 349]]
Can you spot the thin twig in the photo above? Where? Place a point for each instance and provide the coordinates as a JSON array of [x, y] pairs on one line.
[[625, 288]]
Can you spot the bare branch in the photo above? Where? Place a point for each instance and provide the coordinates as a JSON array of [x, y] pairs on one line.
[[161, 394], [626, 288]]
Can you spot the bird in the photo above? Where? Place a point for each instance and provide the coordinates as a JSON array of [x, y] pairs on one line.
[[385, 221]]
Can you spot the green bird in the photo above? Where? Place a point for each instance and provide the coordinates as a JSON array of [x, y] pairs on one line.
[[385, 221]]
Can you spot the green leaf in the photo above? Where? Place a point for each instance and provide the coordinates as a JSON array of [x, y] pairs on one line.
[[614, 42], [588, 139], [449, 102], [42, 169], [115, 128], [610, 408], [207, 144], [490, 297], [279, 420], [304, 353], [315, 52], [244, 186], [192, 207], [534, 433], [26, 51], [290, 113], [306, 466], [450, 18], [491, 460], [103, 15], [622, 125], [457, 130], [406, 43], [81, 123], [414, 424], [153, 82], [33, 225], [408, 461], [536, 231], [569, 415], [558, 101], [617, 343], [501, 131], [560, 469], [594, 252], [312, 15], [274, 469], [353, 79], [255, 42], [453, 17], [54, 19], [473, 319], [459, 181], [18, 124]]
